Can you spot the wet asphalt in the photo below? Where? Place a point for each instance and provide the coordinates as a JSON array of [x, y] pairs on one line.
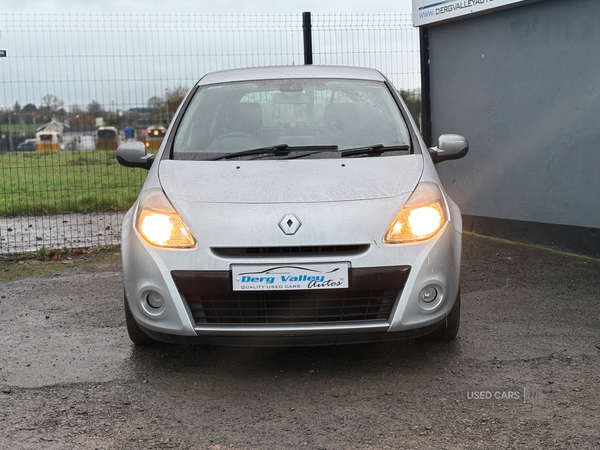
[[530, 324]]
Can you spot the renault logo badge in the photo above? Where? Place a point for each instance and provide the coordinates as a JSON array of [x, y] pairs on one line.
[[290, 224]]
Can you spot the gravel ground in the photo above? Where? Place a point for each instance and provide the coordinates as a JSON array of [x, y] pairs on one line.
[[530, 339], [20, 235]]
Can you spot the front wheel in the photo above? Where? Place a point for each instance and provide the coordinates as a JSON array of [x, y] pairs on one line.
[[449, 327], [137, 336]]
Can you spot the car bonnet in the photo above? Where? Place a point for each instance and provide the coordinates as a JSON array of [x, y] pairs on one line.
[[187, 183]]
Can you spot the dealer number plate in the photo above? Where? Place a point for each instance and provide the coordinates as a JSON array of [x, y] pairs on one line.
[[289, 277]]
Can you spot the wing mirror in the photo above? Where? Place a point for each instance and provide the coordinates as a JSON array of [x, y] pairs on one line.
[[450, 146], [133, 154]]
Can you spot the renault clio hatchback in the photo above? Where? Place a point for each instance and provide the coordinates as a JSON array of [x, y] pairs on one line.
[[292, 206]]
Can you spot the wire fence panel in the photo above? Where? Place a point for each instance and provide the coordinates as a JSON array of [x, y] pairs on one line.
[[73, 86], [387, 42]]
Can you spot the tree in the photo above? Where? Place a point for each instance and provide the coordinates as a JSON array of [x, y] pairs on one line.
[[52, 102], [414, 103], [174, 98], [76, 109], [29, 108], [155, 102], [95, 109], [82, 121]]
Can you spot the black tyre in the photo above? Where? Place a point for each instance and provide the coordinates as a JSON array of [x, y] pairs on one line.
[[137, 336], [449, 328]]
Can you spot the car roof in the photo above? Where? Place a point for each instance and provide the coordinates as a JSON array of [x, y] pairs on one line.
[[291, 72]]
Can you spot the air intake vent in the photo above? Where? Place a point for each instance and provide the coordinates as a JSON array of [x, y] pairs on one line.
[[287, 307], [259, 252]]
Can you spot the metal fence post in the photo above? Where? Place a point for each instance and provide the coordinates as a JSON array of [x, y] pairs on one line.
[[307, 32], [426, 125]]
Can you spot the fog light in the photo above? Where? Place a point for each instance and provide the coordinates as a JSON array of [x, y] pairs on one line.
[[154, 300], [428, 294]]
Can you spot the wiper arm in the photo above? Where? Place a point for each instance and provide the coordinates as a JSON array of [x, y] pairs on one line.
[[274, 149], [277, 150], [374, 150], [315, 149]]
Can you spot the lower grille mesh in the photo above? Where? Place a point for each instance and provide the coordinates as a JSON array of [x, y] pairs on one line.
[[371, 297], [293, 306]]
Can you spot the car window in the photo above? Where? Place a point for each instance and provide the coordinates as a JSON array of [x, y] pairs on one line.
[[234, 117]]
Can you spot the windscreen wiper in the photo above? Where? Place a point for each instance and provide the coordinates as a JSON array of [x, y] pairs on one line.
[[308, 150], [274, 149], [278, 149], [373, 150]]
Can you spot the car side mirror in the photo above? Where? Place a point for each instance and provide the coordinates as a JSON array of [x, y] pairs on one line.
[[133, 154], [450, 146]]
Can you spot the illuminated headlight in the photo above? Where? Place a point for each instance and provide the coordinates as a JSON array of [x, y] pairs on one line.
[[423, 215], [159, 224]]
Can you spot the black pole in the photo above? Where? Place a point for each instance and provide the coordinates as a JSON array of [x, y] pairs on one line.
[[307, 32], [426, 125]]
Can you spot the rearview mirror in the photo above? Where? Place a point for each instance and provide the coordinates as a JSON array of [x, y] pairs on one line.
[[133, 154], [450, 146]]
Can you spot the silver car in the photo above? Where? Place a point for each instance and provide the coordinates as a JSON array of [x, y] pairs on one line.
[[292, 206]]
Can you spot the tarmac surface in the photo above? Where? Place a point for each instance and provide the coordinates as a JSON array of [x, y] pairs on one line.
[[523, 373]]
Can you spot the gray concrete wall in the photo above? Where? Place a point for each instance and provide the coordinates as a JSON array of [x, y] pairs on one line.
[[523, 85]]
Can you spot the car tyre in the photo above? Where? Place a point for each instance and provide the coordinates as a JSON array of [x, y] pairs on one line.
[[449, 327], [137, 336]]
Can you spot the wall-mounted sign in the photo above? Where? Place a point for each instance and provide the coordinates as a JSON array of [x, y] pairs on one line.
[[2, 53], [426, 12]]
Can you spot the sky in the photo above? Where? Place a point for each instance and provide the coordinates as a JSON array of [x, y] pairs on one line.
[[212, 6], [109, 59]]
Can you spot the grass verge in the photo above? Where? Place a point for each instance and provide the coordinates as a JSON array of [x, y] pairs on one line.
[[39, 183], [44, 265]]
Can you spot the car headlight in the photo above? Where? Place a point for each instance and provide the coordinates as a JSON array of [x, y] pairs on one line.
[[423, 215], [159, 223]]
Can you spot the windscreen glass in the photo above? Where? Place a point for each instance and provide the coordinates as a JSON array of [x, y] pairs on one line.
[[301, 114]]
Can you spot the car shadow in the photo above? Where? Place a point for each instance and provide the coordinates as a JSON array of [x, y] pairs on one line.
[[398, 357]]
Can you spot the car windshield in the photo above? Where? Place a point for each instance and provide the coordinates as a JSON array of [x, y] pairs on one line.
[[107, 134], [317, 117]]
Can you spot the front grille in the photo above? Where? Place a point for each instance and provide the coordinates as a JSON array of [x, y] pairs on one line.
[[291, 306], [371, 297], [319, 250]]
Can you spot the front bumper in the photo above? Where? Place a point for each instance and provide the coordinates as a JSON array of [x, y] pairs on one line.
[[289, 339], [382, 302]]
